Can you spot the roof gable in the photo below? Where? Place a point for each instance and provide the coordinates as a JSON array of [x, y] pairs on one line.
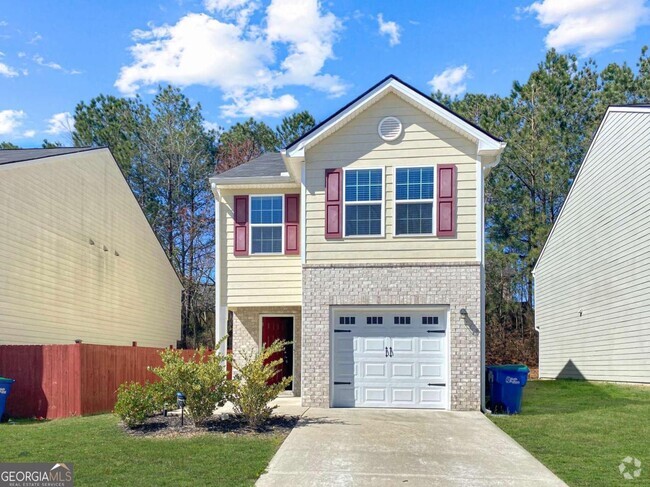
[[608, 119], [487, 143]]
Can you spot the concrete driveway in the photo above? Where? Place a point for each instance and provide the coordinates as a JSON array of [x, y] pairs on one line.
[[382, 447]]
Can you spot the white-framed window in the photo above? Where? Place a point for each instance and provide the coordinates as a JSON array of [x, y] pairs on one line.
[[363, 202], [414, 200], [266, 222]]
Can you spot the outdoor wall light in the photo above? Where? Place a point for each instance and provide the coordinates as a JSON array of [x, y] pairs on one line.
[[91, 241], [463, 312]]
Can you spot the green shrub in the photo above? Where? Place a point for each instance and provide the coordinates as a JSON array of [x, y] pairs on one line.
[[135, 403], [203, 379], [250, 389]]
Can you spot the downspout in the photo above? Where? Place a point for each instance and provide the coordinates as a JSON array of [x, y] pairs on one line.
[[221, 313], [484, 169], [481, 251]]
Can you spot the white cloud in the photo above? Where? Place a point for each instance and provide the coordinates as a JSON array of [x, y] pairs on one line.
[[177, 54], [211, 126], [7, 71], [29, 133], [241, 10], [60, 123], [38, 59], [243, 59], [35, 39], [589, 25], [309, 35], [390, 29], [260, 106], [11, 121], [451, 81]]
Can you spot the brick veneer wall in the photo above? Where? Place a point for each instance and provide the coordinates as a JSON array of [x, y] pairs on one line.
[[457, 285], [246, 333]]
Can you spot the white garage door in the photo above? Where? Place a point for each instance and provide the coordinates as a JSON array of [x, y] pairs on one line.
[[393, 358]]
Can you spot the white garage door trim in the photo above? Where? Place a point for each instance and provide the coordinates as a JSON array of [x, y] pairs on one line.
[[415, 333]]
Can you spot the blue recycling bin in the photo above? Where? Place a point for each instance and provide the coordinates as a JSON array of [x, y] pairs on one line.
[[506, 385], [5, 389]]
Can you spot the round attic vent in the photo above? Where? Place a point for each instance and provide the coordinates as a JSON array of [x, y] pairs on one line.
[[389, 128]]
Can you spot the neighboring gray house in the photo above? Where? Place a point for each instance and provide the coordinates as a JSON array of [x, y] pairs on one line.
[[592, 280]]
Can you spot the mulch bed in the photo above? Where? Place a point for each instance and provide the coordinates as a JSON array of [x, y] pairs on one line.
[[170, 427]]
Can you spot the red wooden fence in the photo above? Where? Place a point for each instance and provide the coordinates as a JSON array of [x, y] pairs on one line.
[[57, 381]]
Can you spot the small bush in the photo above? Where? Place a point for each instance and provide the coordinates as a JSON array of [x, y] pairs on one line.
[[203, 380], [250, 391], [135, 403]]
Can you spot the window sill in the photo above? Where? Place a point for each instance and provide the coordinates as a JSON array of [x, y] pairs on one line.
[[358, 237], [414, 235]]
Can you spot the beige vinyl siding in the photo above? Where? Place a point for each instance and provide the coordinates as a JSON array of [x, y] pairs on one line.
[[597, 261], [54, 286], [356, 145], [257, 280]]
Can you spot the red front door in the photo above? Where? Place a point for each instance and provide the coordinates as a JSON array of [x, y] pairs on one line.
[[279, 328]]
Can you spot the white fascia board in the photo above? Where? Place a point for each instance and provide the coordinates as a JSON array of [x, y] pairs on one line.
[[486, 144], [629, 109]]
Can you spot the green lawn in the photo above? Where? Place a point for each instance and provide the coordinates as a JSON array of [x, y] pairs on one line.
[[103, 454], [582, 430]]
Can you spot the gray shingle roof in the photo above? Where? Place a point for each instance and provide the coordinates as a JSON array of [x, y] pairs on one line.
[[266, 165], [7, 156]]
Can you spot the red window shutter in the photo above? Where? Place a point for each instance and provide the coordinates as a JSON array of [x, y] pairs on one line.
[[446, 200], [291, 224], [333, 203], [240, 242]]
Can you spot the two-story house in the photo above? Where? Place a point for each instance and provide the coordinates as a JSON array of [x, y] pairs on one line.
[[362, 244]]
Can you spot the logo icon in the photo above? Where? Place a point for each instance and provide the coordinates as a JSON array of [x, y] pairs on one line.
[[630, 468]]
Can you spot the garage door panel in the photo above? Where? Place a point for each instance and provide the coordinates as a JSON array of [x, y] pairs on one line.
[[431, 345], [378, 378], [376, 394], [403, 345], [403, 370], [431, 371], [401, 396], [374, 370], [375, 345]]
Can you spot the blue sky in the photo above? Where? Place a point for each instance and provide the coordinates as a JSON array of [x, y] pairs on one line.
[[242, 58]]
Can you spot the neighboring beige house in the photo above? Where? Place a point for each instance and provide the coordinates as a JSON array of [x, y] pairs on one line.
[[78, 258], [362, 243], [592, 279]]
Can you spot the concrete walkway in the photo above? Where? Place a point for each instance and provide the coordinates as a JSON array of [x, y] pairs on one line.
[[381, 447]]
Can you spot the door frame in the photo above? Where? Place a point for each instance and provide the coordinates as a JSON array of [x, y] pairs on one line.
[[293, 338], [434, 308]]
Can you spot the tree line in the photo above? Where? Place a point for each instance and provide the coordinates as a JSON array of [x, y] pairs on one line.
[[548, 122], [167, 154]]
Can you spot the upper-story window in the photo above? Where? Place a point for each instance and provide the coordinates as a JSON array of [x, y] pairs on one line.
[[414, 198], [364, 202], [266, 224]]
